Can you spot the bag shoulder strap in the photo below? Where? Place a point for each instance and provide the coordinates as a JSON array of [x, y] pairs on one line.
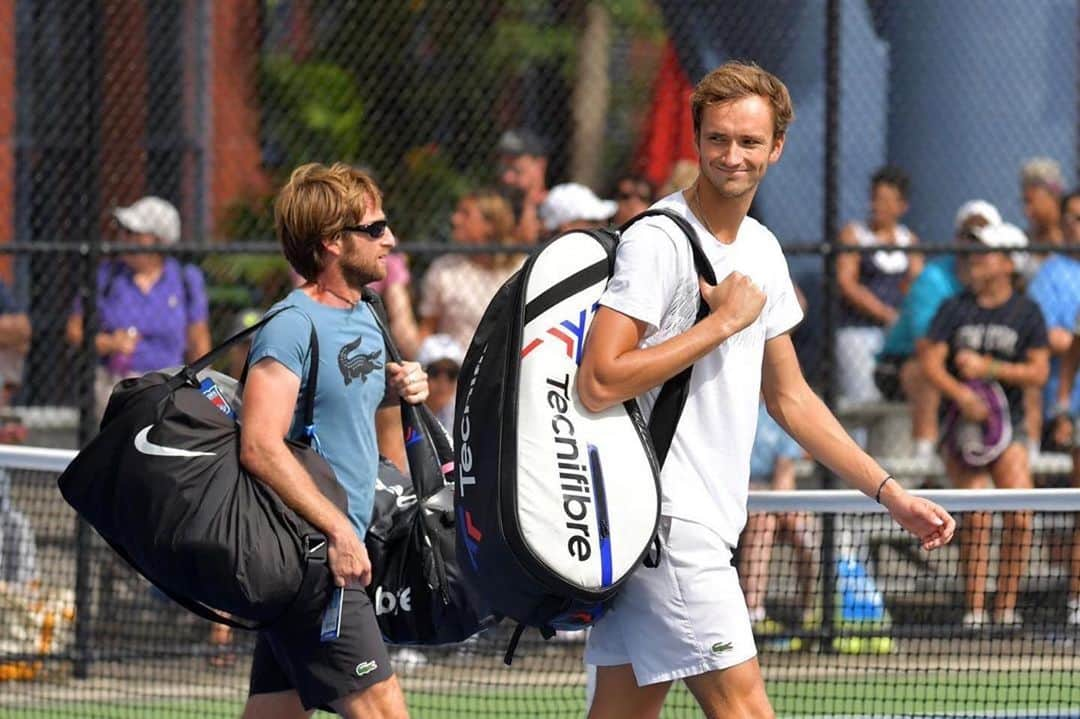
[[672, 398], [189, 373]]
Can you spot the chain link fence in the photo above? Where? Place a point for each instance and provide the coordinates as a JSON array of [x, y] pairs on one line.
[[211, 105]]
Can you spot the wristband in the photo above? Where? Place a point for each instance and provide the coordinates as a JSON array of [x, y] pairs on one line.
[[877, 496], [992, 369]]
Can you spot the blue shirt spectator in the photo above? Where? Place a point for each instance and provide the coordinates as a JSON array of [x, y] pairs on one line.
[[771, 443], [935, 284], [1056, 289]]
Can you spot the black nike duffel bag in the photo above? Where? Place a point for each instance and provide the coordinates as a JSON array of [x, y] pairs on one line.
[[163, 485]]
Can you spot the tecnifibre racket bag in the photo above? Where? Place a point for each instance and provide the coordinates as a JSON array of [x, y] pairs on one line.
[[556, 505]]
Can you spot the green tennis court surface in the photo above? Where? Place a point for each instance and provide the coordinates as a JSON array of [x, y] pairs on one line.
[[1044, 694]]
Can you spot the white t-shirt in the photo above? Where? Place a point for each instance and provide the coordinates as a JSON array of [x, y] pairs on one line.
[[707, 472]]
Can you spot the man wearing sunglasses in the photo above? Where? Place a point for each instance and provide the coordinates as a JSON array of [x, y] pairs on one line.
[[334, 234]]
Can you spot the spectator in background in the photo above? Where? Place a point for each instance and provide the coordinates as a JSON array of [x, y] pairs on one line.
[[14, 343], [153, 310], [397, 298], [572, 206], [1041, 185], [898, 374], [987, 335], [772, 466], [633, 195], [1056, 289], [523, 161], [457, 287], [872, 284], [441, 358], [682, 176]]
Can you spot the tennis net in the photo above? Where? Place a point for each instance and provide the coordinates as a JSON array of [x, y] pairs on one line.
[[889, 630]]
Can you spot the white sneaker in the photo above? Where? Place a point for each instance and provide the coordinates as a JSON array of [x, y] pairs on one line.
[[975, 619], [1008, 618]]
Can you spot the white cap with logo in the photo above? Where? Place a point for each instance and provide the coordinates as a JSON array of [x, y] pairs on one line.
[[151, 215]]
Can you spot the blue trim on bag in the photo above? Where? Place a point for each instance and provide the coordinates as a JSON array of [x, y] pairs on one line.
[[603, 527]]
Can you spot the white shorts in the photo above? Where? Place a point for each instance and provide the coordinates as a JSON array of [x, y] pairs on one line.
[[683, 618]]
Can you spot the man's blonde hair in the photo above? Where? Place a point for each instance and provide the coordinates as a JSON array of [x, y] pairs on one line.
[[316, 204], [735, 80]]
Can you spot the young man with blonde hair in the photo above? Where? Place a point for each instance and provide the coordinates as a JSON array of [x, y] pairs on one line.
[[687, 619], [335, 235]]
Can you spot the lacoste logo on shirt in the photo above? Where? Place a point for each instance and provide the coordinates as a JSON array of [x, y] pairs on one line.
[[144, 445], [721, 647], [365, 668], [359, 365]]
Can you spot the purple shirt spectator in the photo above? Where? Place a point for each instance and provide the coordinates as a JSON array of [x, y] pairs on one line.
[[161, 316]]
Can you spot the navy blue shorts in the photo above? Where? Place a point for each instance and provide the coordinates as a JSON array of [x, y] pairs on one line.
[[291, 656]]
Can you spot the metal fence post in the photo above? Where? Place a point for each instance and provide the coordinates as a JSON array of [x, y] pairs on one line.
[[89, 255], [828, 368]]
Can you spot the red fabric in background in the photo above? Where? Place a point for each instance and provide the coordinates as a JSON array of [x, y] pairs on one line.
[[669, 129]]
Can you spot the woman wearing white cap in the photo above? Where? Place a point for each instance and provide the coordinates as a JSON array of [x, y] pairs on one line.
[[152, 310], [984, 347], [897, 374]]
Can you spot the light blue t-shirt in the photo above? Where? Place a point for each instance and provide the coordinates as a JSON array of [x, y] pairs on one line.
[[935, 284], [351, 385], [771, 443], [1056, 289]]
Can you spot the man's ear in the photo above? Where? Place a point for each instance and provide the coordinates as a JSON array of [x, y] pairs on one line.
[[777, 148], [331, 245]]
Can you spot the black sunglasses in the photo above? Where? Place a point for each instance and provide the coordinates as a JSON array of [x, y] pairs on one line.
[[623, 196], [375, 229]]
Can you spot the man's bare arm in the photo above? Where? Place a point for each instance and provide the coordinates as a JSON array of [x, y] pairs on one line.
[[267, 412], [798, 410]]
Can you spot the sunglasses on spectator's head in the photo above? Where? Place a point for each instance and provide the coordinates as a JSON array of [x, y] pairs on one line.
[[437, 371], [375, 229]]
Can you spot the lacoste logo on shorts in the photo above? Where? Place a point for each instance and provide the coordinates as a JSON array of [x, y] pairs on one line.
[[365, 668], [721, 647]]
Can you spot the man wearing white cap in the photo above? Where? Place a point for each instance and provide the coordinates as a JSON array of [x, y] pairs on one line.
[[897, 373], [572, 206]]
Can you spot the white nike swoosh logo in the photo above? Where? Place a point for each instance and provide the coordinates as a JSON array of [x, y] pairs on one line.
[[144, 445]]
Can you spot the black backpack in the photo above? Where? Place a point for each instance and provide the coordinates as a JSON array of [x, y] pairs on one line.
[[163, 485], [556, 506], [417, 588]]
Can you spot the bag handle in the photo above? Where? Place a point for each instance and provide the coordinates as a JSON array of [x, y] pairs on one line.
[[672, 398], [416, 415]]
